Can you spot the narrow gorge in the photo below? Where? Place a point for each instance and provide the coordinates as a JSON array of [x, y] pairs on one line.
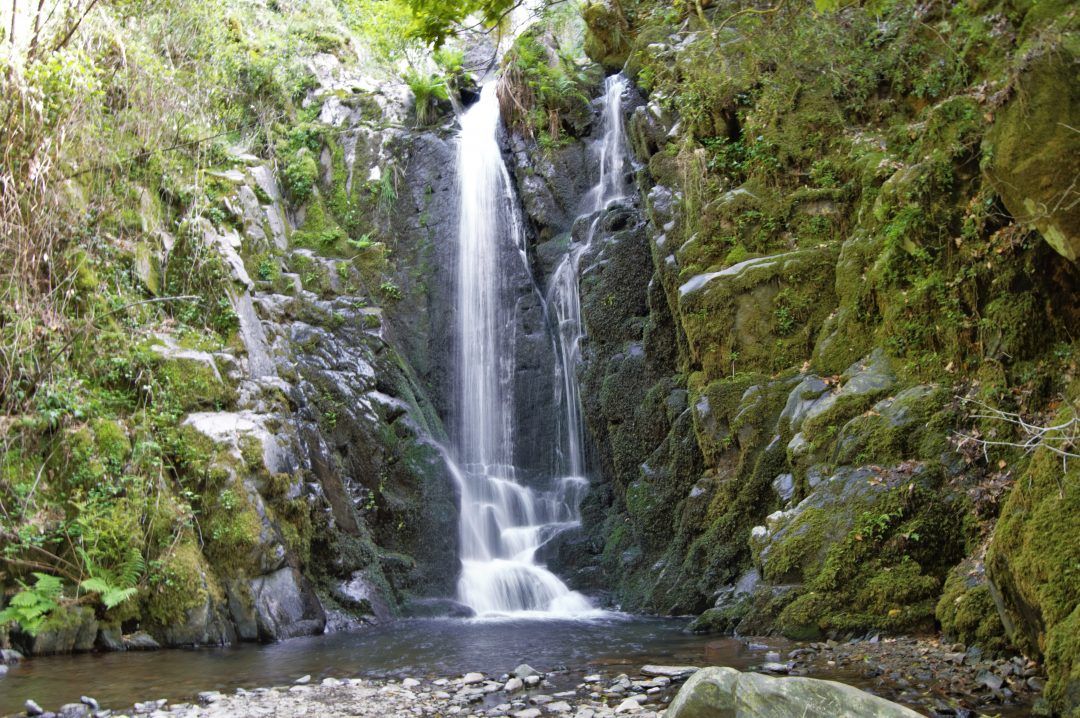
[[582, 335]]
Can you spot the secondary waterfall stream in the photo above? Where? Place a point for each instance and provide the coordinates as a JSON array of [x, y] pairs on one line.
[[503, 521]]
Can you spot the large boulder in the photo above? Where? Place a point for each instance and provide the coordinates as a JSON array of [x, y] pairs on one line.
[[1032, 565], [727, 693], [1036, 149]]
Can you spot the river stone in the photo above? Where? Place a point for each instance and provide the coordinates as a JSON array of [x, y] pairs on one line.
[[32, 708], [140, 641], [727, 693], [470, 678], [514, 685], [525, 671], [673, 672]]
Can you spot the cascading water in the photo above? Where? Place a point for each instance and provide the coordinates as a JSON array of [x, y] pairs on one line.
[[564, 295], [504, 522]]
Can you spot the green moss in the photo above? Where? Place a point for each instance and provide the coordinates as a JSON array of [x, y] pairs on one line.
[[740, 321], [231, 527], [886, 570], [799, 556], [192, 383], [967, 613], [176, 586], [300, 175], [1034, 561], [723, 620]]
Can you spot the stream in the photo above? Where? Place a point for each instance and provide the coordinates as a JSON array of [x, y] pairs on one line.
[[610, 644]]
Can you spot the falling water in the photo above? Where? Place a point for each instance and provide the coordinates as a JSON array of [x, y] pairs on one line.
[[563, 295], [503, 522]]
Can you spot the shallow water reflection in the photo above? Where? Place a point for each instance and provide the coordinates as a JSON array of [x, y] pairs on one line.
[[437, 647]]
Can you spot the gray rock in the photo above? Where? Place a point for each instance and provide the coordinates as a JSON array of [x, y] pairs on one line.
[[285, 606], [715, 692], [91, 702], [524, 671], [990, 680], [140, 641], [32, 708], [73, 710], [672, 672], [514, 685], [784, 486]]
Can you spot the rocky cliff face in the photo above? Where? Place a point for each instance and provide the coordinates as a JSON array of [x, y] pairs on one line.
[[803, 325], [302, 483]]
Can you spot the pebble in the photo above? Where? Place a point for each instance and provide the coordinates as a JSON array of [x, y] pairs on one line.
[[32, 708], [900, 668]]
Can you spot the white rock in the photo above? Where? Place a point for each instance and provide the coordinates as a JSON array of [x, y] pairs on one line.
[[410, 683], [675, 672], [514, 685], [470, 678]]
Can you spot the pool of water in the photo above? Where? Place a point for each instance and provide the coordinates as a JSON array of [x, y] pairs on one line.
[[421, 648], [612, 643]]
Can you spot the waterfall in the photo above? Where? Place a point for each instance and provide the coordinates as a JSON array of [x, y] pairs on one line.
[[564, 295], [503, 522]]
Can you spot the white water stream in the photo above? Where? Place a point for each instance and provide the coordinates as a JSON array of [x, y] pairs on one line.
[[504, 522]]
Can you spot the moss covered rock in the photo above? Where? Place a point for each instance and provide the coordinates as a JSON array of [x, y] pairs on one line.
[[1034, 565], [1035, 148], [738, 318]]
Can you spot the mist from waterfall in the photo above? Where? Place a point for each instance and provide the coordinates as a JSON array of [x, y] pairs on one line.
[[504, 522]]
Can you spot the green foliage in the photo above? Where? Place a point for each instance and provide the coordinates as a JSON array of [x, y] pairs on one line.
[[428, 91], [32, 605], [544, 92], [436, 20], [299, 175], [114, 587]]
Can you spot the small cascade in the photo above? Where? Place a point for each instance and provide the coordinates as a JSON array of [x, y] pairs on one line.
[[503, 522], [564, 294]]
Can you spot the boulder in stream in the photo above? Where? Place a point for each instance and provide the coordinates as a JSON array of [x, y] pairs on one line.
[[727, 693]]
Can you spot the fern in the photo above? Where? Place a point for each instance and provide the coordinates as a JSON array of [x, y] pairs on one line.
[[114, 587], [31, 606], [111, 596]]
